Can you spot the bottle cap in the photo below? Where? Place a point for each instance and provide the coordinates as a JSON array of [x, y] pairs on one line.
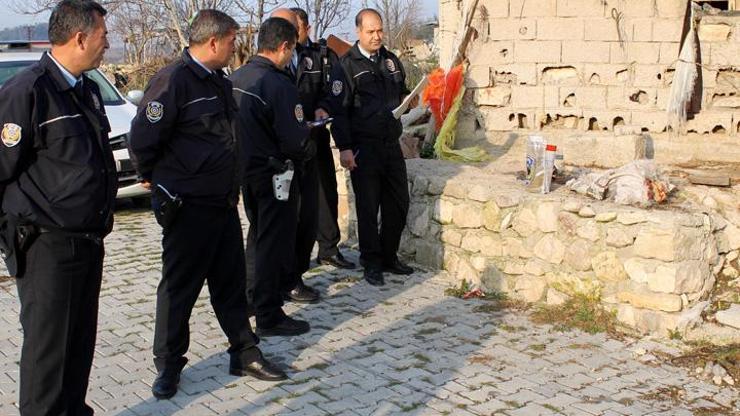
[[551, 148]]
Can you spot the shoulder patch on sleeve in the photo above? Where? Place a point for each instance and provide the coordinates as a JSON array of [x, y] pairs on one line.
[[336, 88], [11, 134], [299, 113], [390, 65], [154, 111]]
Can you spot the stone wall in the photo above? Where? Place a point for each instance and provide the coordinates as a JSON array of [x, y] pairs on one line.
[[654, 267], [591, 65]]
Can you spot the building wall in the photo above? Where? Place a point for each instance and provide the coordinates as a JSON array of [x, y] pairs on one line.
[[591, 64]]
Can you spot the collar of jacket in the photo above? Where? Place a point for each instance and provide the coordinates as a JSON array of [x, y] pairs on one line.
[[355, 53], [194, 66], [56, 75], [264, 62]]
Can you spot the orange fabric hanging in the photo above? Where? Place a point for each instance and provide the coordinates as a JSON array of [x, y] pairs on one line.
[[441, 92]]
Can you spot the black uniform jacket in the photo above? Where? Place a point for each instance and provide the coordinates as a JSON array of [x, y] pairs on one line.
[[362, 98], [56, 165], [271, 120], [314, 70], [182, 136]]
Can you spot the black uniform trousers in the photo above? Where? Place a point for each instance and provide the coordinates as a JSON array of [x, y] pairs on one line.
[[203, 243], [328, 229], [271, 243], [308, 202], [379, 182], [59, 315]]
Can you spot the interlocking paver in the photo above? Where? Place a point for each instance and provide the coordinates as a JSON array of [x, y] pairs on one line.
[[401, 349]]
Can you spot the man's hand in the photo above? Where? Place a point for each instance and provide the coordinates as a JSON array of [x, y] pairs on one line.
[[347, 159], [320, 114], [146, 185]]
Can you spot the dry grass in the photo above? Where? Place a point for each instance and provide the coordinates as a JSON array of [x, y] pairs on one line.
[[581, 311], [728, 356]]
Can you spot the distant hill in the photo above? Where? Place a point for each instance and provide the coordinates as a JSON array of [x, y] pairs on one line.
[[38, 31]]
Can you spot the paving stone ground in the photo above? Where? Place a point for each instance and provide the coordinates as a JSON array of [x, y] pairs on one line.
[[401, 349]]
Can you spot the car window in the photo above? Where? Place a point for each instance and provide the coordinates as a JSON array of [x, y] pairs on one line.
[[110, 96], [9, 69]]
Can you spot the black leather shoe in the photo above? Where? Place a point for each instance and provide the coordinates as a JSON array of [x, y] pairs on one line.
[[260, 369], [398, 268], [302, 294], [337, 261], [288, 327], [374, 277], [165, 385]]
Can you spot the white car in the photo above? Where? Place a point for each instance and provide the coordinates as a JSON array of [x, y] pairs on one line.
[[120, 113]]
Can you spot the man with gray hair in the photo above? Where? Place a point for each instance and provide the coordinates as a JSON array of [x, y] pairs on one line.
[[184, 149], [57, 192]]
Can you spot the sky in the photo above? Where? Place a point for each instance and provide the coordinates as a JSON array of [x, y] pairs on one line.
[[9, 18]]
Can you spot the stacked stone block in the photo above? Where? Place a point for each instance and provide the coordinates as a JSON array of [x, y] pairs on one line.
[[592, 64]]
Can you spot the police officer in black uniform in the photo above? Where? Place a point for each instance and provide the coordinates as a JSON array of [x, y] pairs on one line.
[[57, 189], [366, 86], [314, 63], [275, 143], [183, 146]]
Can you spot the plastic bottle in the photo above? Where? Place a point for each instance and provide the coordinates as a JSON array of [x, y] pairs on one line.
[[548, 165]]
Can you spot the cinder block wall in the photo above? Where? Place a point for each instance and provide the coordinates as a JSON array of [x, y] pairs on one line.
[[591, 65]]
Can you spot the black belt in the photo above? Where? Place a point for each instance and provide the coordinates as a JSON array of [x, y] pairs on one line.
[[94, 237]]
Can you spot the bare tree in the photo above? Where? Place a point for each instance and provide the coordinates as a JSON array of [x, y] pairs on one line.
[[324, 14], [399, 18]]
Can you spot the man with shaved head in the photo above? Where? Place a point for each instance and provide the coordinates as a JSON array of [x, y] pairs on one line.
[[366, 86]]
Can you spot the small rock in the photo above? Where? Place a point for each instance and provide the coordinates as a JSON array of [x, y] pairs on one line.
[[729, 380], [730, 317], [639, 351], [572, 206], [732, 256], [631, 218], [709, 202], [718, 370], [730, 272], [506, 222], [587, 212], [717, 380], [606, 217], [699, 370]]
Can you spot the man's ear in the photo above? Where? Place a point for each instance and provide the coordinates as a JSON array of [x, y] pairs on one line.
[[80, 38], [213, 44]]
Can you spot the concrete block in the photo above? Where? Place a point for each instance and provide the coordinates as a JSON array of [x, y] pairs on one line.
[[586, 52], [512, 29], [580, 8], [671, 8], [632, 98], [553, 28], [669, 53], [710, 122], [601, 29], [636, 8], [478, 76], [552, 96], [537, 51], [727, 53], [648, 75], [499, 96], [667, 30], [539, 8], [601, 150], [491, 53], [603, 74], [591, 97], [515, 74], [496, 119], [496, 8], [719, 32], [654, 121], [604, 119], [640, 52], [559, 74], [639, 29], [527, 96]]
